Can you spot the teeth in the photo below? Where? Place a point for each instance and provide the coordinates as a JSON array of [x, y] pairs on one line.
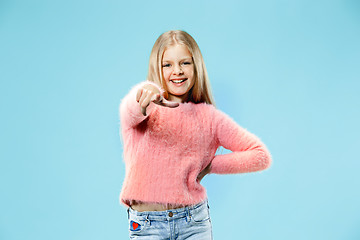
[[178, 81]]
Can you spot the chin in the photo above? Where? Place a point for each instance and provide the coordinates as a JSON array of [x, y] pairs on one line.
[[179, 94]]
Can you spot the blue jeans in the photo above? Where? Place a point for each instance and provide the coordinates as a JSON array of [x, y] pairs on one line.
[[190, 223]]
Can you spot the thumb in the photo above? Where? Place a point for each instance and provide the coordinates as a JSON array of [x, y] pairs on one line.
[[167, 103]]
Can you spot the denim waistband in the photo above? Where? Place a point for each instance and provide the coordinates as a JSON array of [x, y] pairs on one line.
[[165, 215]]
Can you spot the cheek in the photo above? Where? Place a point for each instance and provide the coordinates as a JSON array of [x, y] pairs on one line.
[[190, 72], [166, 73]]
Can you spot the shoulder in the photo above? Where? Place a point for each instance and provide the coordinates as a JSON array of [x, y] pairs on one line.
[[220, 117]]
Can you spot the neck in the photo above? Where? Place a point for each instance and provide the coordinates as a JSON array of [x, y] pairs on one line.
[[178, 99]]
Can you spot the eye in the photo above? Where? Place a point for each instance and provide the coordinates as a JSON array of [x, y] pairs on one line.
[[187, 63], [166, 65]]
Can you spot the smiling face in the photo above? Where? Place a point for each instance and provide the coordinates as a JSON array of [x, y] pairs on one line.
[[178, 72]]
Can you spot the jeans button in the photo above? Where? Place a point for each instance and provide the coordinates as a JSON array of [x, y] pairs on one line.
[[170, 214]]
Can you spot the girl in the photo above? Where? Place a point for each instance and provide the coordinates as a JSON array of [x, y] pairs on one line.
[[171, 131]]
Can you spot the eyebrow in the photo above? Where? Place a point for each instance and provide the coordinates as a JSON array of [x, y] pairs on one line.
[[182, 59]]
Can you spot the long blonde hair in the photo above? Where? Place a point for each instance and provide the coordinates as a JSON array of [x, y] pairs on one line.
[[201, 91]]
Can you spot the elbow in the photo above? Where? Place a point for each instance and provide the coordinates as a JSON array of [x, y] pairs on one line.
[[264, 160]]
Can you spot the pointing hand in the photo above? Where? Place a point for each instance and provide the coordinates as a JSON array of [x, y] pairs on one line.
[[149, 93]]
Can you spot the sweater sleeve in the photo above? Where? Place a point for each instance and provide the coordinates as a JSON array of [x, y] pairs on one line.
[[248, 154], [130, 110]]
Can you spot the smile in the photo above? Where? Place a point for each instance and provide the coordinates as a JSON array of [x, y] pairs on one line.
[[178, 80]]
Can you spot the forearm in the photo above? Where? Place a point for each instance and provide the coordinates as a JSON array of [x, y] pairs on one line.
[[241, 162]]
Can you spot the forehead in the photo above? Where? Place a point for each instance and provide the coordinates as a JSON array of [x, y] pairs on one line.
[[175, 52]]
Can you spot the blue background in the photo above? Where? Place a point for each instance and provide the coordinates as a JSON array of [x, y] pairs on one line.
[[288, 71]]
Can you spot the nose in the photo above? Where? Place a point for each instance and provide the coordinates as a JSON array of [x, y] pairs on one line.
[[178, 70]]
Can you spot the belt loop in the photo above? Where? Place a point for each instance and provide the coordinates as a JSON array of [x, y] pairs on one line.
[[188, 213], [147, 219]]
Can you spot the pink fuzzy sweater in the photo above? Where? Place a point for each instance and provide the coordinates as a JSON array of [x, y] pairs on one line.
[[165, 150]]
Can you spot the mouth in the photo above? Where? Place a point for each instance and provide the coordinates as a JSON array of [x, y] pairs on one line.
[[178, 81]]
